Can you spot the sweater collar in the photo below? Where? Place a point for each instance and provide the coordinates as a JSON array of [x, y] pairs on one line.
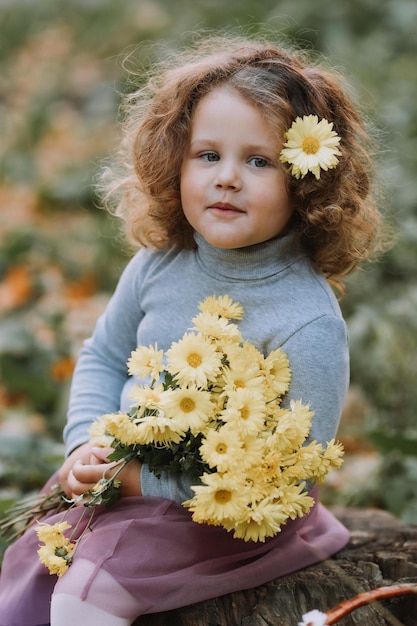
[[250, 263]]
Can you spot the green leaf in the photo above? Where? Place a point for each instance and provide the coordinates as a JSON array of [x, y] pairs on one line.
[[386, 442]]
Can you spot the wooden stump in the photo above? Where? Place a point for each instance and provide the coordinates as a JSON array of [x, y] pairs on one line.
[[382, 551]]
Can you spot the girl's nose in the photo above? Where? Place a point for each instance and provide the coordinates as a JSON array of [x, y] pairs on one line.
[[228, 177]]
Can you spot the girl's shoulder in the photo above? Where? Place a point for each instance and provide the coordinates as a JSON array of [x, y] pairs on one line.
[[150, 260]]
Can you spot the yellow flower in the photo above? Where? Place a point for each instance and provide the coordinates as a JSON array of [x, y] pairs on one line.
[[159, 430], [253, 447], [216, 328], [263, 520], [304, 463], [222, 449], [146, 362], [331, 458], [311, 146], [333, 454], [52, 533], [98, 434], [251, 354], [278, 372], [222, 306], [190, 407], [291, 429], [293, 425], [56, 559], [294, 501], [219, 497], [242, 374], [193, 360], [57, 552], [246, 411], [147, 397], [122, 427], [270, 467]]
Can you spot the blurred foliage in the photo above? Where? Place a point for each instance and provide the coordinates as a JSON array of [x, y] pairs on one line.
[[62, 72]]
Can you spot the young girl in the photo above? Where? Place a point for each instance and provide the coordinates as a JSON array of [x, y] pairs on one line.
[[247, 173]]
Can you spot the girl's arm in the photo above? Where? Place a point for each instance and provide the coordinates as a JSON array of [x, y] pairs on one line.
[[319, 360], [101, 370], [98, 381]]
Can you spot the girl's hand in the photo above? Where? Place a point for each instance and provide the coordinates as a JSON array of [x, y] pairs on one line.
[[85, 467], [129, 476], [82, 453]]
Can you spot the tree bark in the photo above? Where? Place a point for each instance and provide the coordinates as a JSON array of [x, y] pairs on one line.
[[381, 551]]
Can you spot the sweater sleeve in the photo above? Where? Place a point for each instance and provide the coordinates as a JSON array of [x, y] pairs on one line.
[[101, 370], [101, 374], [319, 361]]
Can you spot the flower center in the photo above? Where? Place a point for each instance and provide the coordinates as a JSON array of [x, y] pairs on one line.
[[244, 412], [221, 448], [223, 496], [61, 551], [311, 145], [187, 405], [194, 359]]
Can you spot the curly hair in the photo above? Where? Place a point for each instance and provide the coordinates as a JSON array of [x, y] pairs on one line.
[[336, 218]]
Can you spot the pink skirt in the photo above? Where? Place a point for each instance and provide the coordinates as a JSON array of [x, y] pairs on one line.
[[160, 556]]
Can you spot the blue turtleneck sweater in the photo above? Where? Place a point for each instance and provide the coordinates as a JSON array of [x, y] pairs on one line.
[[287, 304]]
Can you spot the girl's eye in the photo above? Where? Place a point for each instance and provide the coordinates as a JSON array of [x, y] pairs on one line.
[[210, 157], [259, 162]]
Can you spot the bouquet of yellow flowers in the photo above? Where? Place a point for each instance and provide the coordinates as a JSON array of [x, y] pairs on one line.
[[212, 408]]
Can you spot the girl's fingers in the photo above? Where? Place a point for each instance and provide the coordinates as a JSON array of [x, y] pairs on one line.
[[100, 454], [76, 487], [83, 477]]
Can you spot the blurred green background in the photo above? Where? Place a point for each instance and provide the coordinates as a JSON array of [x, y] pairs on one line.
[[62, 73]]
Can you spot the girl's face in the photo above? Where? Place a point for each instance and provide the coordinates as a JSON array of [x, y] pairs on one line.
[[233, 189]]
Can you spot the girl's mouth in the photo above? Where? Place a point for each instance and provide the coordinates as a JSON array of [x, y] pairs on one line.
[[225, 208]]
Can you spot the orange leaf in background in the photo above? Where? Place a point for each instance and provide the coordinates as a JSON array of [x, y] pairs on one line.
[[19, 205], [62, 369], [11, 398], [15, 288], [84, 288]]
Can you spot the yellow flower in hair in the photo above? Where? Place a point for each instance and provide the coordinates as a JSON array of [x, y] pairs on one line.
[[311, 146]]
